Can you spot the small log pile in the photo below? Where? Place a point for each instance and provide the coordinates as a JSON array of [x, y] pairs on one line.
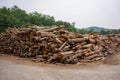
[[56, 45]]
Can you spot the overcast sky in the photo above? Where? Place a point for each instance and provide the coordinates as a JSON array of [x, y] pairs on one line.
[[85, 13]]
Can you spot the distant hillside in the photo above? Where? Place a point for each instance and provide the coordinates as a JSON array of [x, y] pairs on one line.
[[96, 29]]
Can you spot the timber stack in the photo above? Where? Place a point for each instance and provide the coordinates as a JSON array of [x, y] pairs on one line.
[[56, 45]]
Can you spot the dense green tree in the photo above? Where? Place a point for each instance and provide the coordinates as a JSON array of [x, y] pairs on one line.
[[68, 26], [114, 31], [4, 18], [10, 17]]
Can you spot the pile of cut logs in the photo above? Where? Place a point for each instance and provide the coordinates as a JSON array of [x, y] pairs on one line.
[[56, 45]]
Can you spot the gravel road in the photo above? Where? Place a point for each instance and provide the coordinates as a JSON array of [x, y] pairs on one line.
[[9, 70]]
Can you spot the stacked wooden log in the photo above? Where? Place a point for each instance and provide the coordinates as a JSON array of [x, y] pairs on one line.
[[56, 45]]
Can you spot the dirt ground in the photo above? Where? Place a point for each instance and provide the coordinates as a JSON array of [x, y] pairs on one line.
[[15, 68]]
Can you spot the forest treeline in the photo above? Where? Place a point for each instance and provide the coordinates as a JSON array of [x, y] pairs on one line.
[[16, 17]]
